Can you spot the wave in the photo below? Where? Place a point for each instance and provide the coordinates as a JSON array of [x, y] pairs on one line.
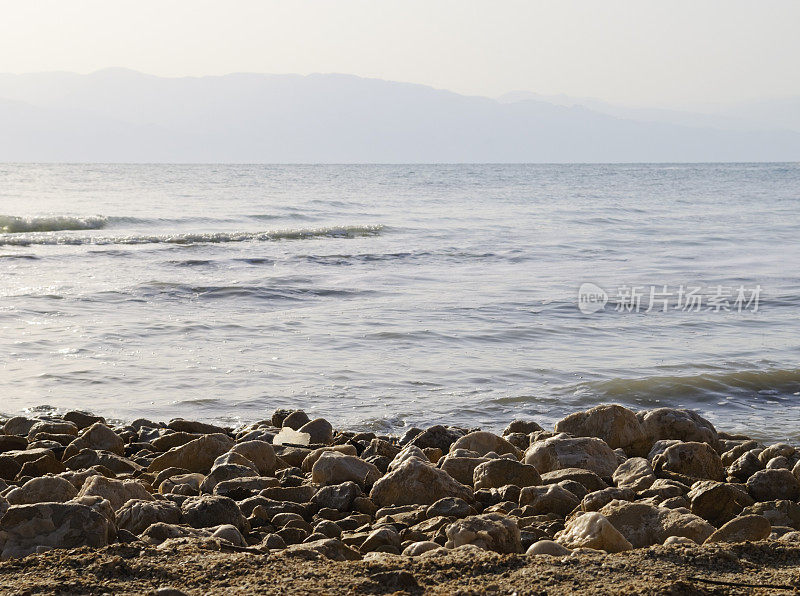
[[193, 238], [11, 224]]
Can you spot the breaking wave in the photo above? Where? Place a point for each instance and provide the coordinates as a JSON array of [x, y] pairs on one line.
[[10, 224], [18, 239]]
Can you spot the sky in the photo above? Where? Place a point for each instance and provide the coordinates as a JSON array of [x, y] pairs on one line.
[[670, 54]]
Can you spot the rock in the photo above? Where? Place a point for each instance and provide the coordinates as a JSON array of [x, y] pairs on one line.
[[336, 468], [295, 420], [209, 511], [194, 426], [88, 458], [776, 450], [98, 436], [379, 539], [482, 442], [547, 547], [197, 455], [450, 507], [746, 465], [230, 534], [561, 451], [492, 531], [746, 528], [779, 463], [26, 528], [329, 548], [53, 428], [588, 480], [19, 425], [635, 474], [646, 525], [12, 443], [312, 457], [415, 549], [460, 468], [598, 499], [415, 482], [779, 513], [82, 419], [771, 485], [436, 436], [183, 484], [717, 502], [160, 532], [733, 453], [46, 489], [116, 492], [552, 498], [693, 459], [683, 425], [170, 440], [592, 530], [679, 540], [522, 426], [136, 516], [500, 472], [260, 453], [220, 473], [320, 430], [337, 496], [614, 424]]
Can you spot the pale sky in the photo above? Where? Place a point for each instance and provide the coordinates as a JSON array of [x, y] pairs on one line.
[[638, 52]]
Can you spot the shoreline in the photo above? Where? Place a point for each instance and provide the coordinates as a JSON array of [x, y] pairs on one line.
[[654, 502]]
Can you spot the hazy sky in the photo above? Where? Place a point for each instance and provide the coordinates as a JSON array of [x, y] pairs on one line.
[[639, 51]]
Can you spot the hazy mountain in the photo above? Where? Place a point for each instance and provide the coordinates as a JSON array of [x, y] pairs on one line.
[[119, 115]]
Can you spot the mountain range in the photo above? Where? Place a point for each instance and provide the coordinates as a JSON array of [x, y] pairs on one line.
[[119, 115]]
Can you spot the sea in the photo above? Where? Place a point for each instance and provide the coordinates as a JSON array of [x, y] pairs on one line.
[[387, 296]]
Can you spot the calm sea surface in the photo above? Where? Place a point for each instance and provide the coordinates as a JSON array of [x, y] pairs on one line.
[[386, 296]]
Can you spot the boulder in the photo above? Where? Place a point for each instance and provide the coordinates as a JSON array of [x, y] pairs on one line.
[[772, 485], [559, 452], [717, 502], [482, 442], [415, 549], [330, 548], [45, 489], [683, 425], [320, 431], [541, 500], [547, 547], [26, 528], [436, 436], [746, 528], [500, 472], [491, 531], [592, 530], [261, 453], [614, 424], [337, 496], [336, 468], [461, 468], [692, 459], [98, 436], [525, 427], [586, 478], [635, 474], [136, 516], [161, 532], [295, 420], [416, 482], [209, 511], [450, 507], [116, 492], [197, 455], [745, 465], [646, 525]]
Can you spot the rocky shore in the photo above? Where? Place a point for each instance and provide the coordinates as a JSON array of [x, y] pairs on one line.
[[289, 495]]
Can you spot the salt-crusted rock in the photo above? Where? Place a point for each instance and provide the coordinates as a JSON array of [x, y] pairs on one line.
[[320, 430], [311, 458], [45, 489], [97, 436], [684, 425], [588, 480], [261, 453], [196, 456], [561, 451], [742, 529], [614, 424], [646, 525], [24, 528], [136, 515], [592, 530], [771, 485], [160, 532], [500, 472], [415, 549], [337, 496], [208, 511], [335, 468], [693, 459], [329, 548], [116, 492], [415, 482], [460, 468], [491, 531], [547, 547], [548, 499], [483, 442], [635, 474], [717, 502]]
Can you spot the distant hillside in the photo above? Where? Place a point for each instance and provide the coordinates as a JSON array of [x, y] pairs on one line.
[[118, 115]]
